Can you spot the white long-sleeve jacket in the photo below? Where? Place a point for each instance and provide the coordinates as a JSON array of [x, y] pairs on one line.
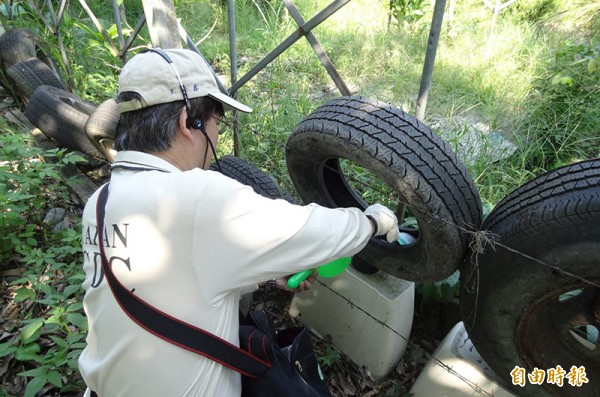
[[188, 243]]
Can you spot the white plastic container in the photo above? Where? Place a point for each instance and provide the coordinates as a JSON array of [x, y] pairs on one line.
[[469, 374], [359, 335]]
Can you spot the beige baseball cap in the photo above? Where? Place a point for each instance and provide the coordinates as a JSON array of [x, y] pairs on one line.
[[155, 79]]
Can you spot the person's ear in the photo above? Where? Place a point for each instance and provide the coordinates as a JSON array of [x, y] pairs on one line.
[[182, 124]]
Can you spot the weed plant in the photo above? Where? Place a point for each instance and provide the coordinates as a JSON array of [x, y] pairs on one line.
[[494, 79], [564, 124], [43, 328]]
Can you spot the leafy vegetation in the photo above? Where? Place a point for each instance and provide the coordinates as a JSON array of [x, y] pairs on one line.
[[408, 11], [43, 329], [531, 84]]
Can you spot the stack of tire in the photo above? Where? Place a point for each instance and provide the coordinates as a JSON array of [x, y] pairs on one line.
[[79, 125], [67, 119], [529, 273]]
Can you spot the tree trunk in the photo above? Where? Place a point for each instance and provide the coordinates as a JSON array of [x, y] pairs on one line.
[[162, 23]]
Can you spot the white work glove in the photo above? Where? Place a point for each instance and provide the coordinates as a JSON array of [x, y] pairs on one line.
[[385, 220]]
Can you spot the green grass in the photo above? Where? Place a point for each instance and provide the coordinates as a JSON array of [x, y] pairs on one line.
[[490, 80]]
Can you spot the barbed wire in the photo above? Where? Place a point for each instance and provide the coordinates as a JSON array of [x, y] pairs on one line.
[[478, 241], [478, 238], [429, 356]]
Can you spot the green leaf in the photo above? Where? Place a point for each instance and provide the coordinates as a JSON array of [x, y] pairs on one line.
[[27, 352], [75, 307], [23, 294], [78, 320], [70, 289], [34, 372], [442, 291], [74, 340], [7, 348], [59, 342], [74, 363], [34, 386], [556, 79], [567, 80], [56, 316], [55, 378], [31, 331]]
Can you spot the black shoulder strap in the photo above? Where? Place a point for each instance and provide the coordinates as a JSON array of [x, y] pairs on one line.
[[169, 328]]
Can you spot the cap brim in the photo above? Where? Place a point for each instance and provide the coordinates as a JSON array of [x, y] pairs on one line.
[[229, 102]]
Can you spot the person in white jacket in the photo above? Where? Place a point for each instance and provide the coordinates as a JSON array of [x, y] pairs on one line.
[[188, 240]]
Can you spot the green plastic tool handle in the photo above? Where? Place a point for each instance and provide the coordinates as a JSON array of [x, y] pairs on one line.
[[298, 278]]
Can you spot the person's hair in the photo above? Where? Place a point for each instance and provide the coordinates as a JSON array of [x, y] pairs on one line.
[[152, 129]]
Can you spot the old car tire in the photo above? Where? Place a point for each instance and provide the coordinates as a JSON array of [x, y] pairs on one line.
[[417, 165], [101, 128], [61, 115], [102, 123], [19, 45], [16, 46], [532, 289], [30, 74], [248, 174]]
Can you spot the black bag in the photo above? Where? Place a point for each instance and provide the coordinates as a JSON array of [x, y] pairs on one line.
[[272, 364], [295, 370]]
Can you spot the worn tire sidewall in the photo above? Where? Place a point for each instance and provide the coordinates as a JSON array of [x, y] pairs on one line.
[[500, 286], [62, 115], [441, 246], [30, 74], [248, 174], [513, 284], [435, 236]]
